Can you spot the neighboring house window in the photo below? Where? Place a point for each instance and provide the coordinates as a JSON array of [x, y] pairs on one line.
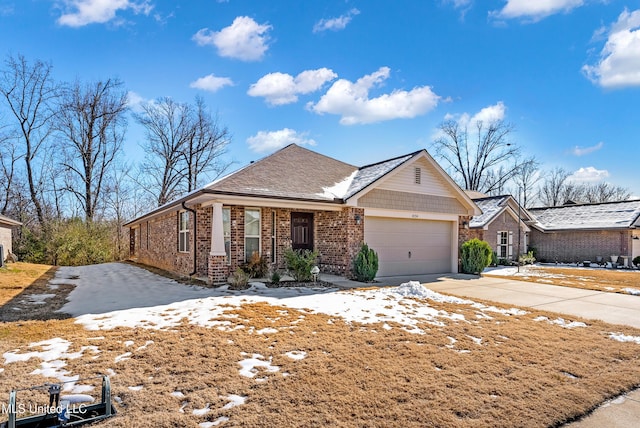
[[505, 244], [226, 231], [273, 236], [183, 231], [251, 232], [418, 175]]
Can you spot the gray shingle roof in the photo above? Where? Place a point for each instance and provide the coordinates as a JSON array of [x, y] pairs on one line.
[[610, 215], [371, 173], [292, 172], [490, 207]]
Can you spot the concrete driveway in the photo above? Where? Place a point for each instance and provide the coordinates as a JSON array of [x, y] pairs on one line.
[[620, 412], [609, 307]]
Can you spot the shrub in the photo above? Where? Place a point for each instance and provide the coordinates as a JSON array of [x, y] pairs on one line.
[[257, 266], [275, 277], [494, 258], [239, 280], [476, 255], [527, 259], [299, 263], [636, 261], [365, 265]]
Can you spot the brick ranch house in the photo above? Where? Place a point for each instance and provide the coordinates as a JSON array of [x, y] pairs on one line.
[[406, 208], [498, 224], [579, 232]]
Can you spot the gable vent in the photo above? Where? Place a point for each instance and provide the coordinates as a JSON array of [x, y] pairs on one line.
[[417, 175]]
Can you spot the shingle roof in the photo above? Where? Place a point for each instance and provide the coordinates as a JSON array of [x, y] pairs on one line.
[[371, 173], [609, 215], [490, 206], [296, 172]]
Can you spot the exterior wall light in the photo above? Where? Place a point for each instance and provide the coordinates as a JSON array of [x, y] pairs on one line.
[[358, 219]]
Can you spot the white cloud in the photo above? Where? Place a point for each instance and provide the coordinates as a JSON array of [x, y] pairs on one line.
[[535, 10], [589, 174], [282, 88], [244, 39], [486, 115], [83, 12], [351, 101], [265, 141], [581, 151], [619, 63], [211, 83], [335, 24], [135, 101]]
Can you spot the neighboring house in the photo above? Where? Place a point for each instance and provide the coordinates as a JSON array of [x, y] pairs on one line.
[[6, 226], [406, 208], [499, 223], [579, 232]]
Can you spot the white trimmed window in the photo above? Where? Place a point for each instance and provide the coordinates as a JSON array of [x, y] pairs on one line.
[[183, 231], [505, 244], [226, 232], [251, 232]]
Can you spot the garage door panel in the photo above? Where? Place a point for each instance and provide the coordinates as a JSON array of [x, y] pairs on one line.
[[428, 242]]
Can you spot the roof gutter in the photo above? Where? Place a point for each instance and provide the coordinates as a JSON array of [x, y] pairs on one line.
[[195, 238]]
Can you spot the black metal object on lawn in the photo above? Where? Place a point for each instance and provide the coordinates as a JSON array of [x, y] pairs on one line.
[[58, 415]]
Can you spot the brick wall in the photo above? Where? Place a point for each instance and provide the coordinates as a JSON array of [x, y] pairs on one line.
[[502, 223], [337, 237], [157, 244], [574, 246]]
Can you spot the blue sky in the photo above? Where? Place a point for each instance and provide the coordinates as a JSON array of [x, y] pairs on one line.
[[364, 80]]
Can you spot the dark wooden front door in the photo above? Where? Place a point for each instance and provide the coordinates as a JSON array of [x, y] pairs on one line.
[[302, 231]]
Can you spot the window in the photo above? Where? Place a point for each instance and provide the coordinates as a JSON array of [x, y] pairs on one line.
[[226, 231], [183, 231], [418, 175], [505, 244], [251, 232]]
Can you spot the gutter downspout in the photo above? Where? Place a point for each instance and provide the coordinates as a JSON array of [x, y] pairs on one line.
[[195, 237]]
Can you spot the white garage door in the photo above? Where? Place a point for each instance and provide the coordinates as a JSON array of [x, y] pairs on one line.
[[409, 247]]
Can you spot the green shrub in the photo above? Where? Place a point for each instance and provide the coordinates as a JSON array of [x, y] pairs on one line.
[[365, 265], [494, 258], [299, 263], [239, 280], [527, 259], [275, 277], [257, 266], [636, 261], [476, 255]]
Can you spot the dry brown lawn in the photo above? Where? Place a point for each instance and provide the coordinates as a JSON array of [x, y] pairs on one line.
[[608, 280], [523, 373]]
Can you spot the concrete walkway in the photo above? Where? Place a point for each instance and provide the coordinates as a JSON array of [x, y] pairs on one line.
[[620, 412]]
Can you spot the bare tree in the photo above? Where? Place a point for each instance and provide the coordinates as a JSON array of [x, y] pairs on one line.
[[92, 123], [168, 129], [605, 192], [206, 144], [8, 160], [481, 160], [551, 190], [183, 143], [526, 178], [30, 93]]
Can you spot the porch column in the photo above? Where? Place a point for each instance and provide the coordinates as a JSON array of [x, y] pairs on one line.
[[217, 232]]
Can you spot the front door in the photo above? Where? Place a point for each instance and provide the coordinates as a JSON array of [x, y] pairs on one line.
[[302, 231]]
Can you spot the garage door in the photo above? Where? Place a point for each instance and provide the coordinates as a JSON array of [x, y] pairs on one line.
[[409, 247]]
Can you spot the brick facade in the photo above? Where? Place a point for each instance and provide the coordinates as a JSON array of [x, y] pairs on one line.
[[575, 246], [337, 238]]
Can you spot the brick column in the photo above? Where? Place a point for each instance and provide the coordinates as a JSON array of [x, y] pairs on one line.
[[218, 270]]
